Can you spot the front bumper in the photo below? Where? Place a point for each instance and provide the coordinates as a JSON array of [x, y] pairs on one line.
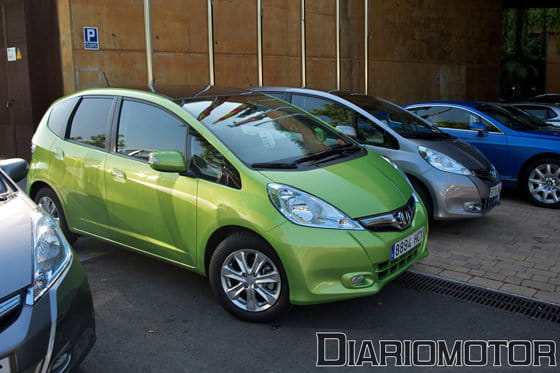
[[319, 263], [58, 330], [452, 193]]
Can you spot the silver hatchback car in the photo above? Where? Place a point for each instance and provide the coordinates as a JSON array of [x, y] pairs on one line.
[[453, 178]]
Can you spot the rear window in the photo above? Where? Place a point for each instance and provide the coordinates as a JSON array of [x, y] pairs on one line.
[[60, 113], [89, 125]]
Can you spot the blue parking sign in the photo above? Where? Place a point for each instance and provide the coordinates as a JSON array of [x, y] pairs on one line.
[[91, 38]]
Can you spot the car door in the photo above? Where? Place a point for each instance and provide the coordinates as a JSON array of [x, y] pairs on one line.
[[149, 210], [456, 121], [77, 163]]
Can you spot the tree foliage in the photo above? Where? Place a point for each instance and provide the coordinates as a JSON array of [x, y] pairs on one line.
[[524, 49]]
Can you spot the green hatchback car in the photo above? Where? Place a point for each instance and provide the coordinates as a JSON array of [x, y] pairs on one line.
[[272, 204]]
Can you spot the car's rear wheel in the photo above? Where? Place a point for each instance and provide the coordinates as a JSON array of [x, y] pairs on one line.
[[541, 182], [248, 278], [46, 199]]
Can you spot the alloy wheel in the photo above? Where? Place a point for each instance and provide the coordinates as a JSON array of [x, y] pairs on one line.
[[544, 183], [250, 280]]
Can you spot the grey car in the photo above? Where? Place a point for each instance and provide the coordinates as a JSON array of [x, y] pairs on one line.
[[46, 310], [549, 113], [453, 178]]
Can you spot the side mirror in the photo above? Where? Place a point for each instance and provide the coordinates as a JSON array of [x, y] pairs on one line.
[[348, 131], [481, 128], [167, 161], [15, 168]]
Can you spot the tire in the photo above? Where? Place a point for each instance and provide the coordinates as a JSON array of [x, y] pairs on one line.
[[540, 182], [232, 268], [46, 199], [424, 195]]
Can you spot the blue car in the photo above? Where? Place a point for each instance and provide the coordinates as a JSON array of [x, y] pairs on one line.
[[526, 154]]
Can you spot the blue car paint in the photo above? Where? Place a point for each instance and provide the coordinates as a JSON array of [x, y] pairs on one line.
[[508, 151]]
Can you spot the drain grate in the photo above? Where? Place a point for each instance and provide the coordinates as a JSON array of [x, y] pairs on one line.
[[495, 299]]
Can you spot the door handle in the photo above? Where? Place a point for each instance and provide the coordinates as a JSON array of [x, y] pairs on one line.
[[118, 175], [10, 102], [58, 153]]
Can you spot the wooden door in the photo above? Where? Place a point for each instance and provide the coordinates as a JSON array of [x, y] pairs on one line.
[[16, 119]]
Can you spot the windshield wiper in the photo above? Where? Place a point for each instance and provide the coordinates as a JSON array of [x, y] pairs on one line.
[[278, 165], [341, 150]]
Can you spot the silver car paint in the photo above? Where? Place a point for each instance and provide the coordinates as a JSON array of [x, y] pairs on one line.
[[449, 191]]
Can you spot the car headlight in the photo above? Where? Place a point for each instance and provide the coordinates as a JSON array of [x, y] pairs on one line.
[[443, 162], [51, 253], [304, 209]]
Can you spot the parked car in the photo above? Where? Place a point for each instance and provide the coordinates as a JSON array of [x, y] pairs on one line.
[[549, 113], [46, 311], [273, 205], [526, 155], [453, 178], [547, 98]]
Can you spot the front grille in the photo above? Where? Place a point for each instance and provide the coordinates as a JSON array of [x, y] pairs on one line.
[[389, 267], [489, 203], [10, 307], [396, 220], [487, 174]]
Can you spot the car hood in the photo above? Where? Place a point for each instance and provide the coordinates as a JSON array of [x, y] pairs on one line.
[[551, 133], [16, 246], [459, 150], [364, 186]]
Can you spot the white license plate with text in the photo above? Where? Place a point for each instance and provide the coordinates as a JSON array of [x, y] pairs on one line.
[[407, 244], [495, 190]]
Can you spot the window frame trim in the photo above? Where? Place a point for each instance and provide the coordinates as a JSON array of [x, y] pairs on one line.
[[108, 125], [461, 108]]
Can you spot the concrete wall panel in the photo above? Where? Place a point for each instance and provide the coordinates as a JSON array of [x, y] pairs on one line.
[[122, 69], [418, 49], [282, 71]]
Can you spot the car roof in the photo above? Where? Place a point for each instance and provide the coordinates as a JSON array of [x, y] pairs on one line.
[[470, 104], [175, 92]]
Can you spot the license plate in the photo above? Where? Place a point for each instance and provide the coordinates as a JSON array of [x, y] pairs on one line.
[[407, 244], [5, 365], [495, 190]]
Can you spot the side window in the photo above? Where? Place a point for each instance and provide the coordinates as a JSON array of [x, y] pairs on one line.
[[489, 125], [331, 112], [144, 128], [453, 118], [539, 112], [209, 164], [60, 113], [280, 95], [89, 125], [370, 133]]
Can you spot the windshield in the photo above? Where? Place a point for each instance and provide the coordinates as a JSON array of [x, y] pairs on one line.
[[267, 133], [400, 120], [515, 122], [525, 115]]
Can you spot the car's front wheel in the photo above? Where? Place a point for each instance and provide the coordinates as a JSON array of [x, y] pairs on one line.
[[46, 199], [541, 182], [248, 278]]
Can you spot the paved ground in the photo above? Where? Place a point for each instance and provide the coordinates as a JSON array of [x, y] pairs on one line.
[[155, 317], [515, 248]]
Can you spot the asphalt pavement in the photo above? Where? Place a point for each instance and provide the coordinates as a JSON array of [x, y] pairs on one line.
[[154, 317]]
